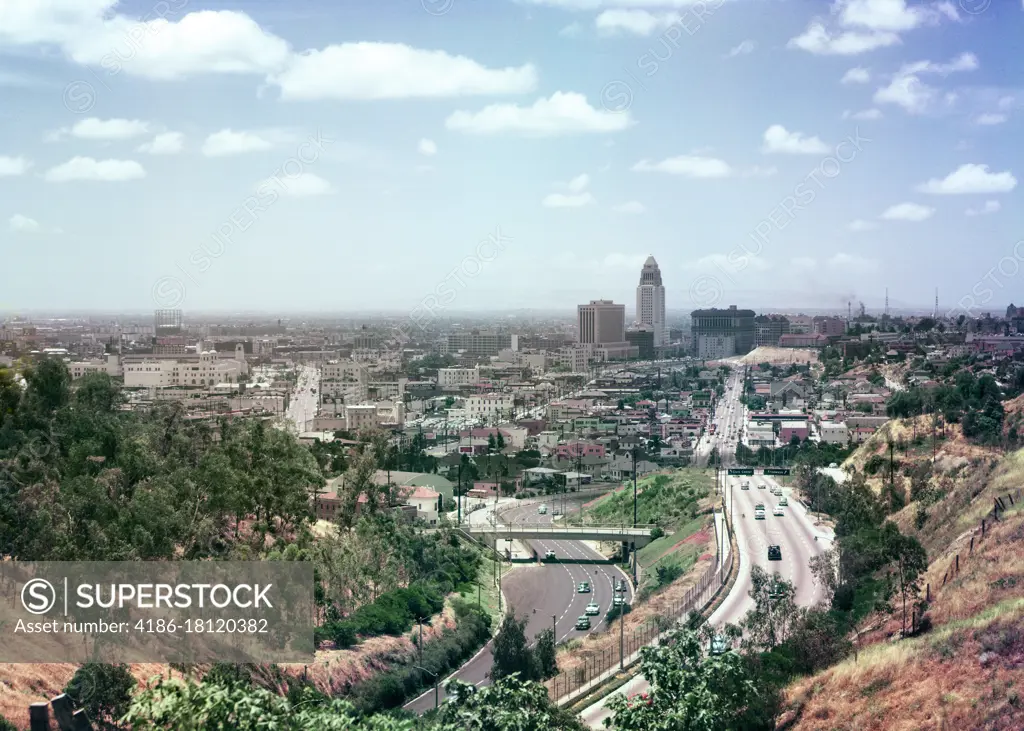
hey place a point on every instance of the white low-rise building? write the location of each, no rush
(834, 432)
(111, 365)
(454, 378)
(489, 406)
(204, 369)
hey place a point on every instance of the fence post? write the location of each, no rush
(982, 527)
(1009, 496)
(958, 563)
(944, 577)
(928, 592)
(971, 551)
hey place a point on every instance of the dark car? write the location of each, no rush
(774, 553)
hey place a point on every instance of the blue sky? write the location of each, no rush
(530, 153)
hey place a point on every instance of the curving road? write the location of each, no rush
(794, 532)
(545, 594)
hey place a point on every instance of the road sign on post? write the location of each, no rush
(742, 471)
(776, 470)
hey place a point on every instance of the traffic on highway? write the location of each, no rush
(782, 543)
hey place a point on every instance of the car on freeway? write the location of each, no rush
(549, 555)
(583, 588)
(618, 601)
(774, 553)
(542, 510)
(621, 585)
(760, 486)
(783, 501)
(583, 622)
(759, 512)
(778, 511)
(592, 609)
(745, 486)
(719, 645)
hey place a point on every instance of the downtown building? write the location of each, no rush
(602, 331)
(719, 333)
(650, 302)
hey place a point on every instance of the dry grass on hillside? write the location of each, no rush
(779, 356)
(966, 673)
(332, 672)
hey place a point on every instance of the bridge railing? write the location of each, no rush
(640, 530)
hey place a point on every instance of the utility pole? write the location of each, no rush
(554, 628)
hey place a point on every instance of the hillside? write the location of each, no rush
(965, 669)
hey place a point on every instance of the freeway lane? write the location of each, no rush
(539, 591)
(794, 532)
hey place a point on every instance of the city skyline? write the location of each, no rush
(886, 147)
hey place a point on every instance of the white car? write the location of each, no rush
(778, 511)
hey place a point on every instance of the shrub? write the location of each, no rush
(657, 532)
(668, 573)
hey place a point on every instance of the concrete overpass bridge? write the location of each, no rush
(639, 536)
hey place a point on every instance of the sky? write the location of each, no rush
(436, 155)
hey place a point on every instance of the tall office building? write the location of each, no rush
(602, 321)
(650, 301)
(722, 333)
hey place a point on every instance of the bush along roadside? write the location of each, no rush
(441, 656)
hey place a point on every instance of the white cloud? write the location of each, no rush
(891, 15)
(302, 185)
(23, 224)
(991, 119)
(778, 140)
(630, 207)
(205, 41)
(1006, 103)
(852, 263)
(691, 166)
(759, 172)
(365, 71)
(560, 200)
(427, 147)
(229, 142)
(166, 143)
(109, 129)
(11, 166)
(87, 168)
(742, 49)
(805, 263)
(562, 113)
(856, 75)
(862, 225)
(864, 114)
(963, 62)
(817, 40)
(637, 22)
(908, 91)
(600, 4)
(579, 183)
(572, 30)
(968, 179)
(908, 212)
(989, 207)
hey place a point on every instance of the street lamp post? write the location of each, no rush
(437, 700)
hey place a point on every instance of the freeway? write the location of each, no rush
(794, 532)
(542, 593)
(302, 407)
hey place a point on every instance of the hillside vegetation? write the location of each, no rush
(962, 665)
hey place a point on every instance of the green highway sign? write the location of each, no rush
(776, 470)
(741, 471)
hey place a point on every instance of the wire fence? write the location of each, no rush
(599, 664)
(1000, 505)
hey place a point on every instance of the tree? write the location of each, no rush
(508, 704)
(500, 440)
(689, 691)
(770, 621)
(104, 691)
(545, 655)
(910, 560)
(511, 653)
(825, 569)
